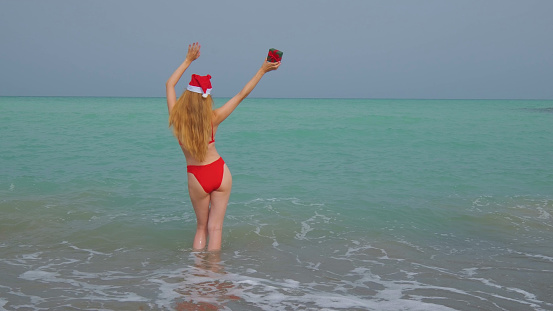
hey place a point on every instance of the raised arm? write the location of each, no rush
(224, 111)
(192, 55)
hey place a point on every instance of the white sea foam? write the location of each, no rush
(305, 229)
(543, 213)
(160, 219)
(268, 294)
(84, 283)
(27, 257)
(3, 303)
(536, 256)
(470, 271)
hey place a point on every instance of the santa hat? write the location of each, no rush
(200, 84)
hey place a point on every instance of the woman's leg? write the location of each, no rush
(200, 202)
(219, 202)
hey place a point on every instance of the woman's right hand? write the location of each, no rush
(193, 52)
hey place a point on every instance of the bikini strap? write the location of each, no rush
(212, 138)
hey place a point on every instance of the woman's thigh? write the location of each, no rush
(220, 198)
(200, 200)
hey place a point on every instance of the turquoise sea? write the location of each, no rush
(337, 204)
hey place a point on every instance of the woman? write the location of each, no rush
(194, 124)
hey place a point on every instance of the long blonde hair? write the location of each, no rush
(191, 121)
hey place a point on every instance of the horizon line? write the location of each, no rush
(260, 97)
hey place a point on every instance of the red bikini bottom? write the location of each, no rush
(210, 176)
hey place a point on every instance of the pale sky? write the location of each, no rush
(496, 49)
